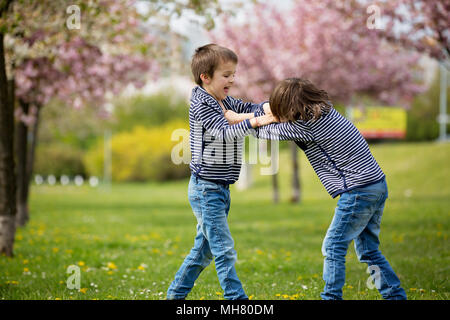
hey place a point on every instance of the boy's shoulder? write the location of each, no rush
(200, 96)
(201, 99)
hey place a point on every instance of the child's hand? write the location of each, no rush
(263, 120)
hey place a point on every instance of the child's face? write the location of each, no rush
(219, 85)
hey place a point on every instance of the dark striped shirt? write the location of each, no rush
(337, 151)
(216, 146)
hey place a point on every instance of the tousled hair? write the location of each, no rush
(298, 99)
(207, 58)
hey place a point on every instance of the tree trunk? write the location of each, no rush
(7, 173)
(22, 176)
(295, 176)
(276, 193)
(30, 149)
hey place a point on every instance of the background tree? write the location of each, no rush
(413, 24)
(113, 45)
(7, 171)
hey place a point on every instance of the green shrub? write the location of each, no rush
(58, 160)
(148, 111)
(141, 154)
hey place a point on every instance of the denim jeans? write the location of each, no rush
(357, 217)
(210, 203)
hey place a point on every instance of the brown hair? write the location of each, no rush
(298, 99)
(207, 58)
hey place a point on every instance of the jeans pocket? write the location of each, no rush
(210, 187)
(368, 196)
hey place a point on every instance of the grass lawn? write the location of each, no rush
(130, 240)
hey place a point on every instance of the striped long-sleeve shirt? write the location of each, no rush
(216, 146)
(337, 151)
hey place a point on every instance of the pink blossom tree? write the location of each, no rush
(317, 42)
(109, 47)
(421, 25)
(78, 68)
(79, 75)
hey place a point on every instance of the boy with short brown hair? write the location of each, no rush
(216, 149)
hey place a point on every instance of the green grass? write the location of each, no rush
(130, 241)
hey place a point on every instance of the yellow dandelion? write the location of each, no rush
(57, 298)
(26, 270)
(111, 265)
(55, 250)
(141, 267)
(81, 263)
(25, 261)
(250, 298)
(83, 290)
(218, 293)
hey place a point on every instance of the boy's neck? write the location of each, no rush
(214, 97)
(211, 94)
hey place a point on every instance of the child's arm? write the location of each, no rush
(275, 131)
(216, 124)
(234, 118)
(284, 131)
(238, 106)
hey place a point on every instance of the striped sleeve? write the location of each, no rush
(285, 131)
(260, 110)
(238, 106)
(216, 125)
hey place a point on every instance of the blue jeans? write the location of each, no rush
(357, 217)
(211, 203)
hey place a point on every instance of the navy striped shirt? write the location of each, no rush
(337, 151)
(216, 146)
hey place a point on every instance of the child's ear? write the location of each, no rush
(205, 78)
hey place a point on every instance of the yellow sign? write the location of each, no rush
(380, 122)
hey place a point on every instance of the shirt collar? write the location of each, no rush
(200, 93)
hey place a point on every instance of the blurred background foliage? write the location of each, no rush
(141, 125)
(140, 128)
(421, 119)
(141, 154)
